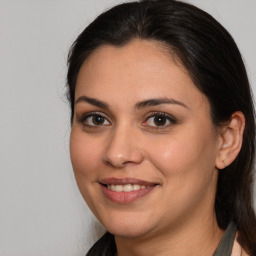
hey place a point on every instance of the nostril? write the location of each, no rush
(122, 149)
(120, 164)
(114, 164)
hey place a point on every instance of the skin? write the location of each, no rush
(177, 217)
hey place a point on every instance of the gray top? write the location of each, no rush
(226, 244)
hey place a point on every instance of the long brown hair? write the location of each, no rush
(214, 63)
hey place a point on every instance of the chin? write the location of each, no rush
(127, 227)
(128, 233)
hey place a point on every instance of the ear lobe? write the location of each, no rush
(231, 140)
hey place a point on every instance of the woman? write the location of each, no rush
(162, 140)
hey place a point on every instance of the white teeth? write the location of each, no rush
(136, 187)
(118, 188)
(126, 187)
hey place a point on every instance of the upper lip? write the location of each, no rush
(124, 181)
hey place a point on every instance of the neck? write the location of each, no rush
(197, 238)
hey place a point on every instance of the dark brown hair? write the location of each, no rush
(214, 63)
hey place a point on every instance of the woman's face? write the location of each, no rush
(143, 146)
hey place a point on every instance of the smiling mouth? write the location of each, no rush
(126, 188)
(125, 191)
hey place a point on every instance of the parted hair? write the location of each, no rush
(215, 65)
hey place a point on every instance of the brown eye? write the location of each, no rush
(98, 120)
(93, 120)
(160, 120)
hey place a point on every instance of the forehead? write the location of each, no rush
(138, 53)
(140, 69)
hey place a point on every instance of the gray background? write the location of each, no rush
(41, 210)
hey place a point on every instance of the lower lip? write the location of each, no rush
(125, 197)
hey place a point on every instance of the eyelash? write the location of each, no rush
(84, 120)
(167, 117)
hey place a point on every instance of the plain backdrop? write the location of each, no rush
(41, 210)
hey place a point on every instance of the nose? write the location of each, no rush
(123, 148)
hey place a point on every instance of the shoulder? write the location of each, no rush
(238, 250)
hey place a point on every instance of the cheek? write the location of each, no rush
(184, 152)
(85, 154)
(187, 166)
(85, 158)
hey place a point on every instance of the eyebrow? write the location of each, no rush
(158, 101)
(92, 101)
(139, 105)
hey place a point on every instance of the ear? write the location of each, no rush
(231, 138)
